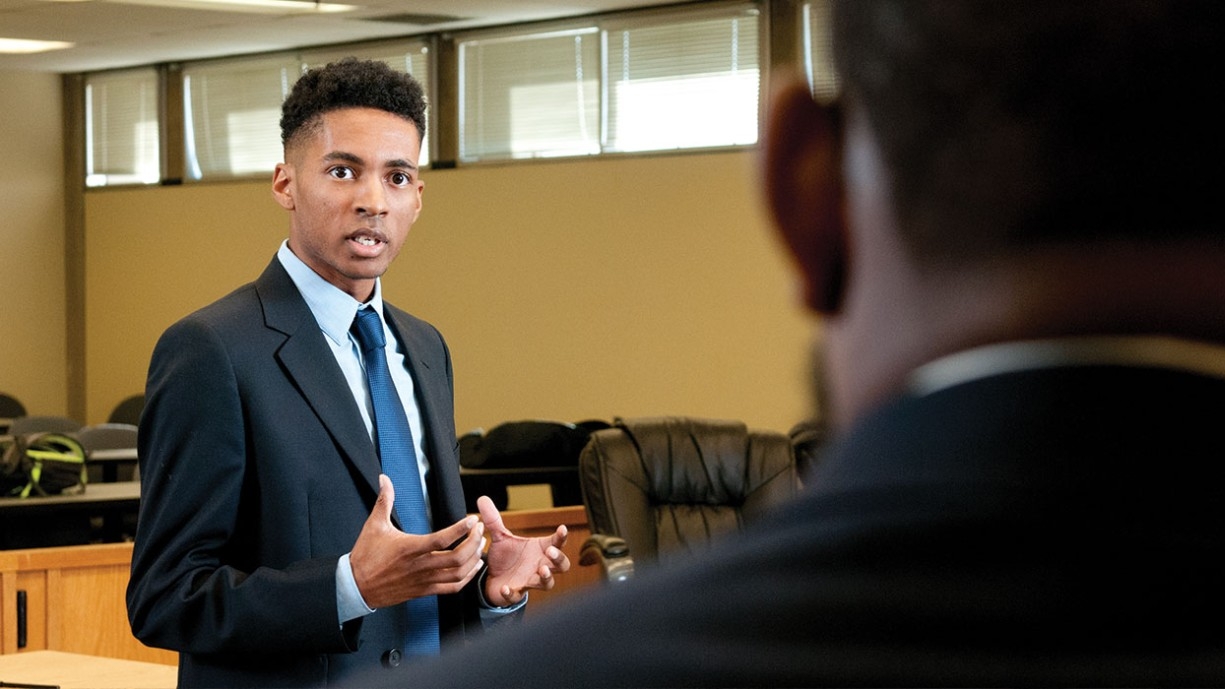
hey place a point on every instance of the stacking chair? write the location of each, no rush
(128, 410)
(657, 489)
(110, 451)
(36, 424)
(10, 408)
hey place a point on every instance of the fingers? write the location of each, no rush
(491, 516)
(508, 596)
(560, 536)
(558, 560)
(451, 536)
(546, 577)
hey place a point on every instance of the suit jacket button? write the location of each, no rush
(391, 658)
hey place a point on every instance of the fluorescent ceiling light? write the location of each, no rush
(256, 6)
(22, 45)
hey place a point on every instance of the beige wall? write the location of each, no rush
(32, 305)
(567, 290)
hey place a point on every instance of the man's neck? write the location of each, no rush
(912, 318)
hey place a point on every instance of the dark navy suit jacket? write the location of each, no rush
(257, 475)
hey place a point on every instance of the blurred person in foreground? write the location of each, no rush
(1011, 229)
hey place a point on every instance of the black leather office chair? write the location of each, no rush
(659, 488)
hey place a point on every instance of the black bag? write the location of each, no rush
(42, 463)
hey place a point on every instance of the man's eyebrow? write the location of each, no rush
(344, 156)
(401, 163)
(357, 160)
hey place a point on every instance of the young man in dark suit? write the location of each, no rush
(1011, 228)
(273, 548)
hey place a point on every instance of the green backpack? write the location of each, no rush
(43, 463)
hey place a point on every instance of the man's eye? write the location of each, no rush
(341, 172)
(400, 179)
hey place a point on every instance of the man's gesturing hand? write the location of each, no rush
(517, 563)
(391, 566)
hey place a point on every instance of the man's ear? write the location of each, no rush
(282, 186)
(804, 191)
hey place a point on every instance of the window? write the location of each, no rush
(122, 128)
(687, 83)
(654, 82)
(650, 80)
(528, 96)
(232, 113)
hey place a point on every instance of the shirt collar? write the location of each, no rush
(1135, 351)
(333, 308)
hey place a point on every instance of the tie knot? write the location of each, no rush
(368, 329)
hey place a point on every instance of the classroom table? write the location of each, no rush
(76, 671)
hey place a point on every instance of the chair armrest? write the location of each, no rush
(612, 553)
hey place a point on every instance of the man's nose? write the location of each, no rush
(371, 197)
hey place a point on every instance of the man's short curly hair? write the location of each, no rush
(351, 83)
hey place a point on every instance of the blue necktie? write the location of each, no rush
(394, 439)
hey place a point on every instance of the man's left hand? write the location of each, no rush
(515, 563)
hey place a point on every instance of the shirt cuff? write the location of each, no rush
(349, 602)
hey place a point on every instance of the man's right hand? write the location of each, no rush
(391, 566)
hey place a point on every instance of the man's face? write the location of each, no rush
(353, 192)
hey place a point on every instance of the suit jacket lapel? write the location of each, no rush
(309, 362)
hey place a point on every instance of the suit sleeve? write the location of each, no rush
(190, 588)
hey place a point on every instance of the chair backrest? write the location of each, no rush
(35, 424)
(128, 410)
(108, 436)
(11, 407)
(110, 449)
(667, 485)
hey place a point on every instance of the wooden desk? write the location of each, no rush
(63, 520)
(74, 670)
(122, 493)
(111, 461)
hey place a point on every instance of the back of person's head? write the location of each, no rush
(1005, 125)
(351, 83)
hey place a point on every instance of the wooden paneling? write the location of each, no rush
(74, 602)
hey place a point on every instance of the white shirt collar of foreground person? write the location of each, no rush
(1156, 351)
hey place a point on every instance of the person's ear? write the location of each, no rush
(804, 191)
(282, 186)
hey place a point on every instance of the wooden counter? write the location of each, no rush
(74, 602)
